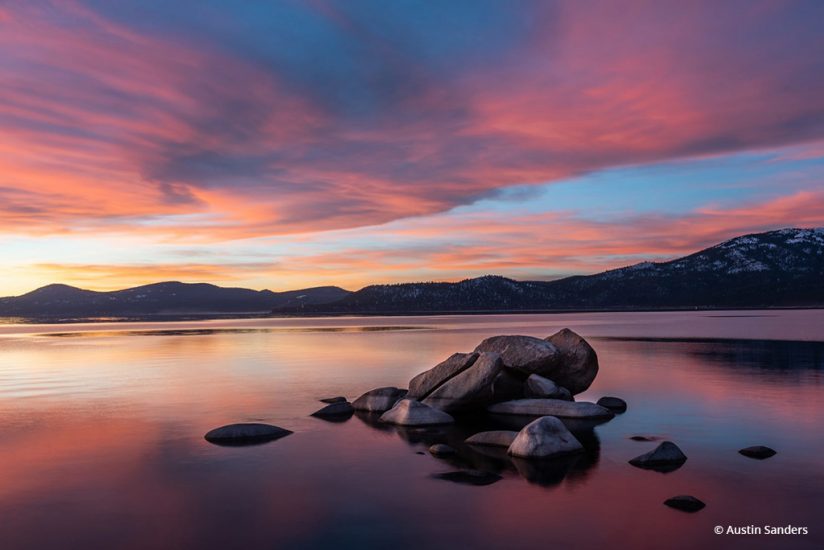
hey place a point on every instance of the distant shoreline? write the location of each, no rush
(174, 317)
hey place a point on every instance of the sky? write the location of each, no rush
(290, 144)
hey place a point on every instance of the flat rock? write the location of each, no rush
(615, 404)
(643, 438)
(338, 399)
(378, 400)
(423, 384)
(408, 412)
(759, 451)
(538, 386)
(245, 434)
(551, 407)
(494, 438)
(523, 354)
(335, 409)
(442, 450)
(685, 503)
(546, 437)
(665, 457)
(469, 477)
(577, 365)
(470, 389)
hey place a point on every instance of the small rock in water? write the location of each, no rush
(759, 451)
(666, 457)
(378, 400)
(338, 399)
(245, 434)
(408, 412)
(335, 410)
(469, 477)
(441, 450)
(685, 503)
(494, 438)
(613, 403)
(643, 438)
(545, 437)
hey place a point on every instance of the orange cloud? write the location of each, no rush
(453, 247)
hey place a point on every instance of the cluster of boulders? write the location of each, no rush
(504, 375)
(518, 377)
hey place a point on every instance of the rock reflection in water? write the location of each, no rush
(495, 460)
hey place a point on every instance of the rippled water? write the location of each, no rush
(101, 436)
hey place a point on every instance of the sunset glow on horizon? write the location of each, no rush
(298, 144)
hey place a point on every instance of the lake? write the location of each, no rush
(101, 436)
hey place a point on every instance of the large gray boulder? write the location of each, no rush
(546, 437)
(577, 365)
(523, 354)
(423, 384)
(551, 407)
(538, 386)
(469, 389)
(665, 457)
(378, 400)
(245, 434)
(408, 412)
(493, 438)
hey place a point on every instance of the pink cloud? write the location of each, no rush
(121, 124)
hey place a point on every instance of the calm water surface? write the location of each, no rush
(101, 436)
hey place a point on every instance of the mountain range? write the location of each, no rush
(783, 268)
(168, 298)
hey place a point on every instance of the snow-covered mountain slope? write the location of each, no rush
(777, 268)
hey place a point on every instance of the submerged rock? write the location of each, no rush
(578, 363)
(470, 389)
(685, 503)
(546, 437)
(442, 450)
(538, 386)
(551, 407)
(666, 457)
(408, 412)
(338, 399)
(245, 434)
(759, 451)
(615, 404)
(336, 409)
(469, 477)
(423, 384)
(523, 354)
(378, 400)
(494, 438)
